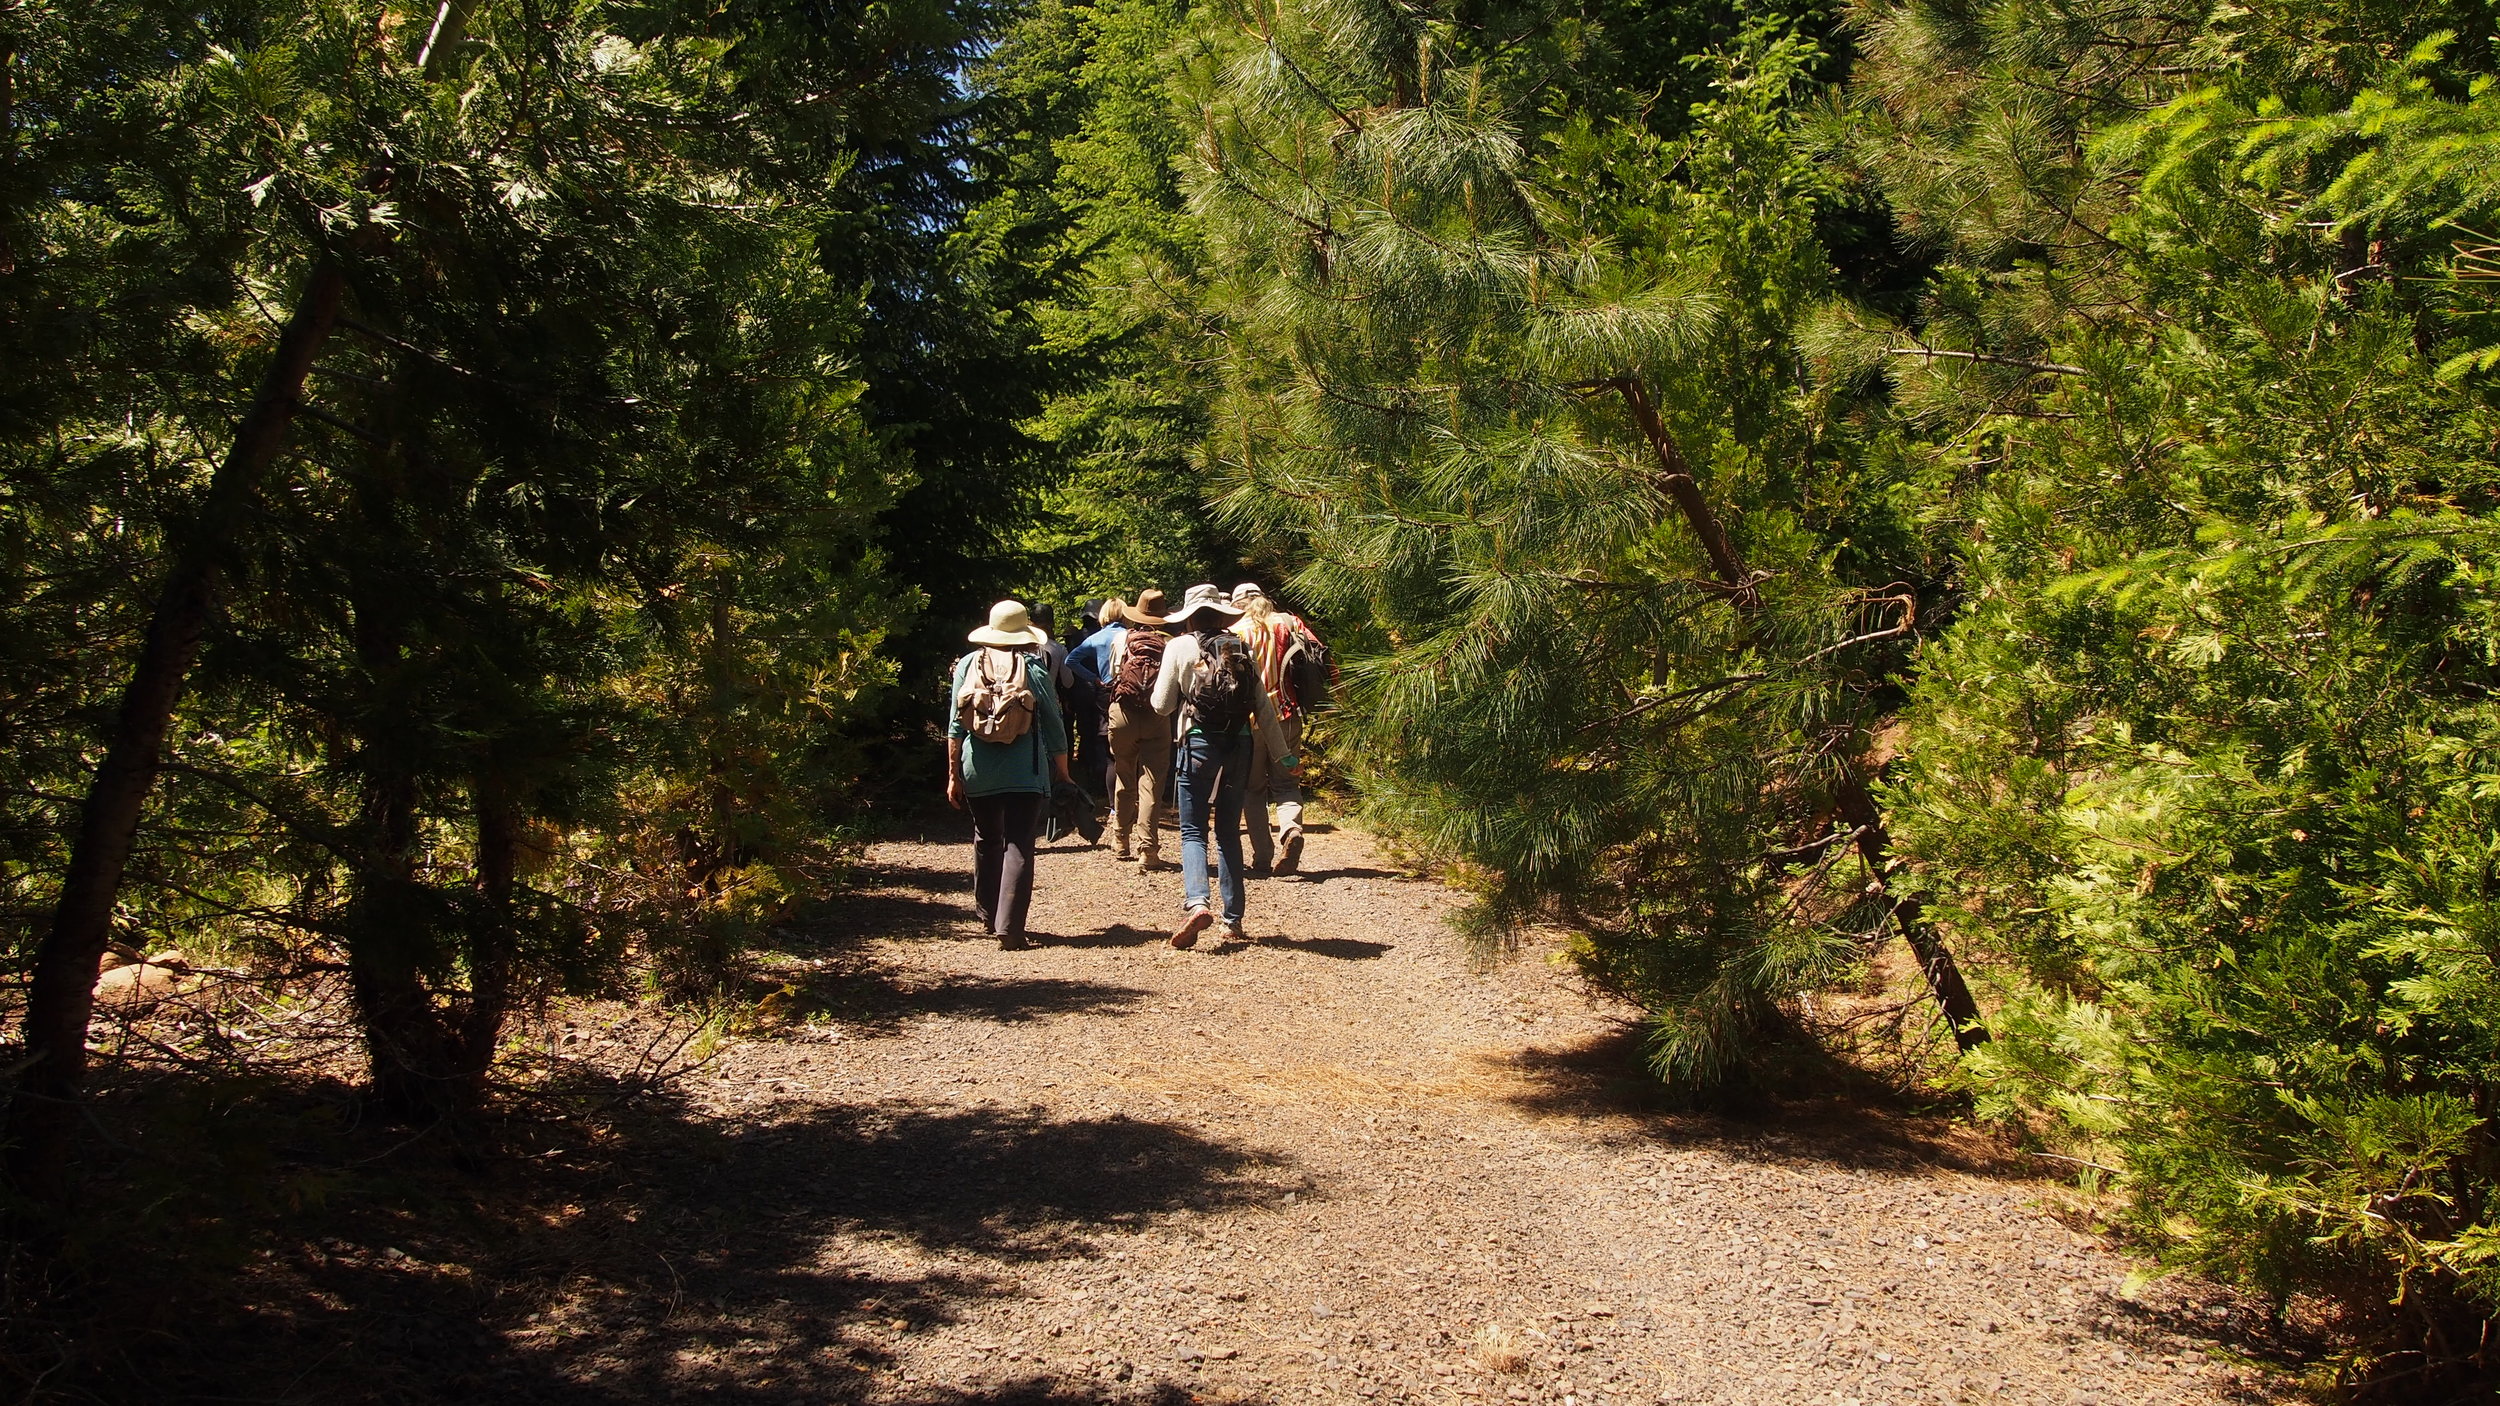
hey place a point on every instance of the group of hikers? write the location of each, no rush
(1196, 714)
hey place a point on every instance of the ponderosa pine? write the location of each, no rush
(1522, 398)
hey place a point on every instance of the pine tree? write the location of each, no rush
(1632, 611)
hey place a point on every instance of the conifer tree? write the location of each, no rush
(1085, 107)
(583, 413)
(67, 960)
(2198, 768)
(1524, 400)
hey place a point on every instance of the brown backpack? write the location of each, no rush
(1134, 684)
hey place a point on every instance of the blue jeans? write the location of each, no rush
(1212, 770)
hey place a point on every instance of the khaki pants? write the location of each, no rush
(1141, 762)
(1270, 782)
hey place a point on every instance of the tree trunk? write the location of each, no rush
(491, 948)
(1944, 975)
(393, 919)
(391, 924)
(399, 928)
(1677, 478)
(61, 1000)
(1857, 804)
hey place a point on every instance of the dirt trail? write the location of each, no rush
(1330, 1166)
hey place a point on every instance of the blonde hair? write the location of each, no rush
(1259, 607)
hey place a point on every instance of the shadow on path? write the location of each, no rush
(893, 913)
(1847, 1119)
(1321, 876)
(869, 999)
(840, 976)
(1112, 935)
(669, 1256)
(1344, 949)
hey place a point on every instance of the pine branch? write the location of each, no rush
(1681, 485)
(1346, 119)
(1909, 618)
(396, 344)
(1791, 856)
(2056, 368)
(1732, 681)
(343, 425)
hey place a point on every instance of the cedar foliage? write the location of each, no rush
(2202, 764)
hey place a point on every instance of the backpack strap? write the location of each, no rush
(1041, 759)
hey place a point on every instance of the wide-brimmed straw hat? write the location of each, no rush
(1149, 607)
(1010, 625)
(1204, 597)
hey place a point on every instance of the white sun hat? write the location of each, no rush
(1010, 625)
(1204, 597)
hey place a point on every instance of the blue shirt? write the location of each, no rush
(1021, 766)
(1092, 659)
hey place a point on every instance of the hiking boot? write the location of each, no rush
(1013, 942)
(1258, 869)
(1289, 859)
(1120, 850)
(1151, 862)
(1233, 933)
(1198, 921)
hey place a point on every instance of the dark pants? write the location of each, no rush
(1091, 717)
(1002, 859)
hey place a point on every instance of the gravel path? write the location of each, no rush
(1335, 1165)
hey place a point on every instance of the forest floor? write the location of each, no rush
(1336, 1164)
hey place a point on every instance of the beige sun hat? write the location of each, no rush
(1204, 597)
(1011, 625)
(1245, 591)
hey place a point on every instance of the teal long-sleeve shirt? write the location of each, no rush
(1006, 768)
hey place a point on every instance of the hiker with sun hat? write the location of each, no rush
(1006, 743)
(1126, 654)
(1274, 636)
(1209, 687)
